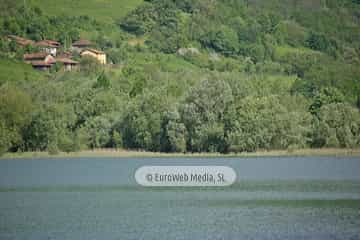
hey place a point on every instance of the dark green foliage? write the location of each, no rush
(34, 24)
(322, 43)
(291, 33)
(102, 81)
(224, 40)
(140, 21)
(265, 123)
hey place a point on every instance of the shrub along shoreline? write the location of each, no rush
(120, 153)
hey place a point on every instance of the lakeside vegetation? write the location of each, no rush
(187, 76)
(121, 153)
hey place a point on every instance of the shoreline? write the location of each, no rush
(120, 153)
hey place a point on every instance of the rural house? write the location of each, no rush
(40, 60)
(39, 56)
(81, 45)
(69, 64)
(41, 65)
(99, 55)
(48, 46)
(65, 54)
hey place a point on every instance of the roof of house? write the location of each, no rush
(51, 61)
(38, 55)
(66, 61)
(82, 43)
(92, 50)
(40, 64)
(53, 42)
(64, 55)
(48, 43)
(20, 40)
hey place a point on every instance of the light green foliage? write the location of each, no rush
(99, 131)
(173, 133)
(299, 60)
(66, 143)
(6, 137)
(118, 56)
(104, 11)
(90, 65)
(49, 128)
(102, 81)
(203, 114)
(116, 140)
(326, 96)
(141, 127)
(338, 125)
(330, 73)
(15, 105)
(264, 123)
(255, 51)
(35, 24)
(13, 71)
(291, 33)
(15, 109)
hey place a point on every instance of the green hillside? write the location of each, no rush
(102, 10)
(13, 71)
(185, 76)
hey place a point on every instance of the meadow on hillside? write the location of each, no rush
(101, 10)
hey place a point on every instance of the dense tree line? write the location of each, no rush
(220, 113)
(253, 75)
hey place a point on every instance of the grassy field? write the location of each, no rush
(125, 153)
(14, 71)
(102, 10)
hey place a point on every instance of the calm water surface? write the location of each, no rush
(273, 198)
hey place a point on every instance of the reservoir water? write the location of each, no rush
(98, 198)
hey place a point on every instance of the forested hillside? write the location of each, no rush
(184, 76)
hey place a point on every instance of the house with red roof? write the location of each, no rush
(40, 60)
(68, 63)
(49, 46)
(81, 45)
(41, 65)
(97, 54)
(23, 42)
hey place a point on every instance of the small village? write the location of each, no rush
(50, 52)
